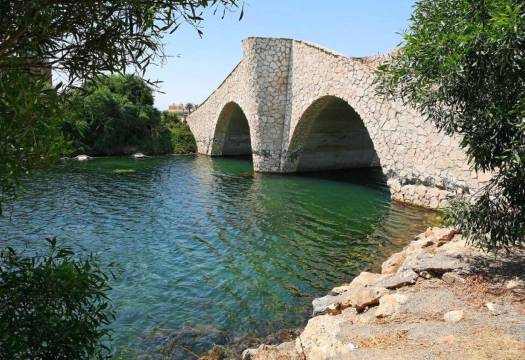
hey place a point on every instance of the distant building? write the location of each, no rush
(177, 108)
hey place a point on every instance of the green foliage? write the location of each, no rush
(115, 115)
(182, 139)
(91, 37)
(30, 122)
(463, 66)
(169, 119)
(53, 306)
(112, 115)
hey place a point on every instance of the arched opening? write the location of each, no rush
(232, 133)
(331, 135)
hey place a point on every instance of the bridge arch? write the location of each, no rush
(285, 88)
(232, 135)
(330, 134)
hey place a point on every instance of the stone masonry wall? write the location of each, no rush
(278, 85)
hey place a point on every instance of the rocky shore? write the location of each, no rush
(436, 299)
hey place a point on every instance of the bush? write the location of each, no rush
(53, 306)
(463, 66)
(182, 140)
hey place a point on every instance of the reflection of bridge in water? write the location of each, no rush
(298, 107)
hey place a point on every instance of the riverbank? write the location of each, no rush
(436, 299)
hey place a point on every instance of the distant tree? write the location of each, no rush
(112, 115)
(463, 66)
(189, 107)
(169, 118)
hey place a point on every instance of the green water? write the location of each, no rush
(209, 250)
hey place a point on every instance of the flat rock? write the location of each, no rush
(400, 279)
(439, 263)
(329, 304)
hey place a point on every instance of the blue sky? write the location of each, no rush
(350, 27)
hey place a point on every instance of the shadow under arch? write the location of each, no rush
(232, 132)
(330, 135)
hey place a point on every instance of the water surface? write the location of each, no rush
(210, 250)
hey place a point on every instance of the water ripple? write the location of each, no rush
(208, 244)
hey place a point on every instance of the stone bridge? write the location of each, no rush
(296, 107)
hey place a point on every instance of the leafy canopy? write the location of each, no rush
(85, 38)
(463, 65)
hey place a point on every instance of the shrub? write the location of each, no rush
(463, 65)
(53, 306)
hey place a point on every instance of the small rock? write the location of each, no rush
(452, 278)
(453, 316)
(440, 235)
(389, 304)
(495, 309)
(425, 275)
(139, 156)
(367, 296)
(512, 284)
(351, 347)
(327, 304)
(393, 263)
(340, 289)
(248, 354)
(82, 157)
(491, 306)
